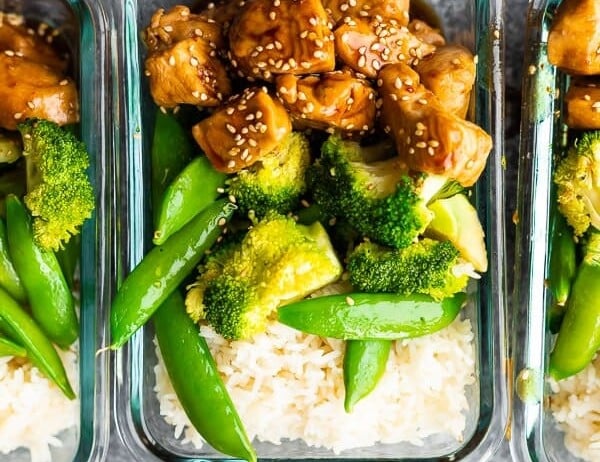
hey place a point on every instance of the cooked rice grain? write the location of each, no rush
(32, 409)
(295, 379)
(575, 405)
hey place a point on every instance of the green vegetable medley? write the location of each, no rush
(335, 202)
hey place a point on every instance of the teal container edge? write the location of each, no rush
(139, 423)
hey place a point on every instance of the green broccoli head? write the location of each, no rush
(381, 200)
(277, 262)
(428, 267)
(577, 179)
(235, 308)
(59, 193)
(276, 182)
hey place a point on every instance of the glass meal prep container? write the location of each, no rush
(476, 24)
(536, 434)
(84, 27)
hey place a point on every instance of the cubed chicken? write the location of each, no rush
(574, 40)
(244, 130)
(428, 137)
(189, 72)
(32, 90)
(367, 46)
(582, 103)
(281, 37)
(426, 34)
(383, 9)
(334, 101)
(177, 24)
(18, 40)
(450, 74)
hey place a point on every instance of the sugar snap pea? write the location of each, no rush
(562, 267)
(191, 191)
(163, 269)
(9, 280)
(579, 337)
(364, 365)
(197, 382)
(363, 316)
(8, 348)
(40, 350)
(49, 295)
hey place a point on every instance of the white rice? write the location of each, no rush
(32, 409)
(295, 379)
(575, 406)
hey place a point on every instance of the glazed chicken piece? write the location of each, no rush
(177, 24)
(331, 101)
(574, 40)
(450, 74)
(428, 137)
(281, 37)
(18, 40)
(582, 103)
(244, 130)
(189, 72)
(382, 9)
(366, 46)
(426, 34)
(32, 90)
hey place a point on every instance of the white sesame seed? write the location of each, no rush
(231, 164)
(63, 82)
(362, 61)
(350, 301)
(398, 83)
(230, 128)
(171, 60)
(18, 115)
(229, 110)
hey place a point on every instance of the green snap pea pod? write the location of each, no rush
(172, 150)
(579, 335)
(562, 267)
(191, 191)
(9, 280)
(197, 382)
(363, 316)
(163, 269)
(40, 350)
(8, 348)
(49, 295)
(364, 365)
(68, 257)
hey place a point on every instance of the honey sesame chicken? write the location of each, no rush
(189, 72)
(33, 44)
(450, 74)
(366, 46)
(281, 37)
(582, 103)
(428, 137)
(244, 130)
(574, 39)
(331, 101)
(33, 90)
(382, 9)
(426, 33)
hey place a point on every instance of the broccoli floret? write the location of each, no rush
(59, 193)
(428, 267)
(277, 262)
(577, 179)
(276, 182)
(379, 198)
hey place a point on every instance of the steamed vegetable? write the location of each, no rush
(59, 194)
(278, 261)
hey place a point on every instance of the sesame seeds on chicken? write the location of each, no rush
(242, 131)
(429, 138)
(281, 37)
(397, 10)
(367, 46)
(332, 101)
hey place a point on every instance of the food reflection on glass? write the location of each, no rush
(318, 196)
(574, 268)
(45, 198)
